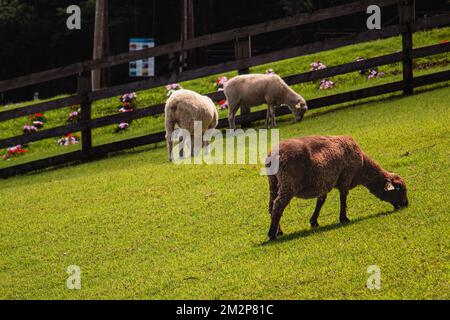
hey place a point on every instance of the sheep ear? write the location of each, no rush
(389, 186)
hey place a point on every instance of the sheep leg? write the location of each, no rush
(319, 203)
(343, 214)
(170, 127)
(272, 113)
(232, 116)
(206, 144)
(273, 189)
(197, 144)
(273, 186)
(181, 145)
(279, 205)
(270, 117)
(170, 146)
(193, 149)
(206, 147)
(267, 119)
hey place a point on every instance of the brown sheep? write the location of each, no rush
(310, 167)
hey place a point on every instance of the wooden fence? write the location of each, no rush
(242, 37)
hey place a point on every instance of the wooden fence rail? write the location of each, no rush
(224, 67)
(103, 150)
(158, 109)
(202, 41)
(244, 60)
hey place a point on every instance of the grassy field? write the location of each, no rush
(142, 228)
(347, 82)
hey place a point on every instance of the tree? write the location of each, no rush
(101, 41)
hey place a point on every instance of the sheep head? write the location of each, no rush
(299, 109)
(394, 191)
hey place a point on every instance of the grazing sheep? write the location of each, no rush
(310, 167)
(183, 108)
(255, 89)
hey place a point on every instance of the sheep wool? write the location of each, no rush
(183, 108)
(255, 89)
(310, 167)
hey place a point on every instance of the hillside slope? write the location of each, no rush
(140, 227)
(148, 125)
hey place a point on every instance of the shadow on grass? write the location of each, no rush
(333, 226)
(391, 97)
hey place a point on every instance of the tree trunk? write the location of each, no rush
(101, 40)
(187, 32)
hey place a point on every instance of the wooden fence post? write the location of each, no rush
(406, 18)
(242, 50)
(84, 88)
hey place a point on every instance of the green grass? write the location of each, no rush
(347, 82)
(140, 227)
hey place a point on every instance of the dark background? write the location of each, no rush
(34, 37)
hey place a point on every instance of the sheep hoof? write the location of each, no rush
(314, 224)
(272, 236)
(344, 220)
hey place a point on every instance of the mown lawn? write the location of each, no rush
(142, 228)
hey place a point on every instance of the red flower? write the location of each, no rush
(444, 41)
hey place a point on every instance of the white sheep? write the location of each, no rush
(184, 107)
(251, 90)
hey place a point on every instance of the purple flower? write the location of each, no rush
(67, 140)
(171, 88)
(129, 97)
(223, 105)
(375, 74)
(73, 116)
(122, 126)
(326, 84)
(29, 129)
(317, 66)
(123, 109)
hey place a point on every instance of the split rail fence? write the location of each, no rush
(244, 60)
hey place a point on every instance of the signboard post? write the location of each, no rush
(146, 67)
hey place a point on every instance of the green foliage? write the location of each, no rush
(15, 12)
